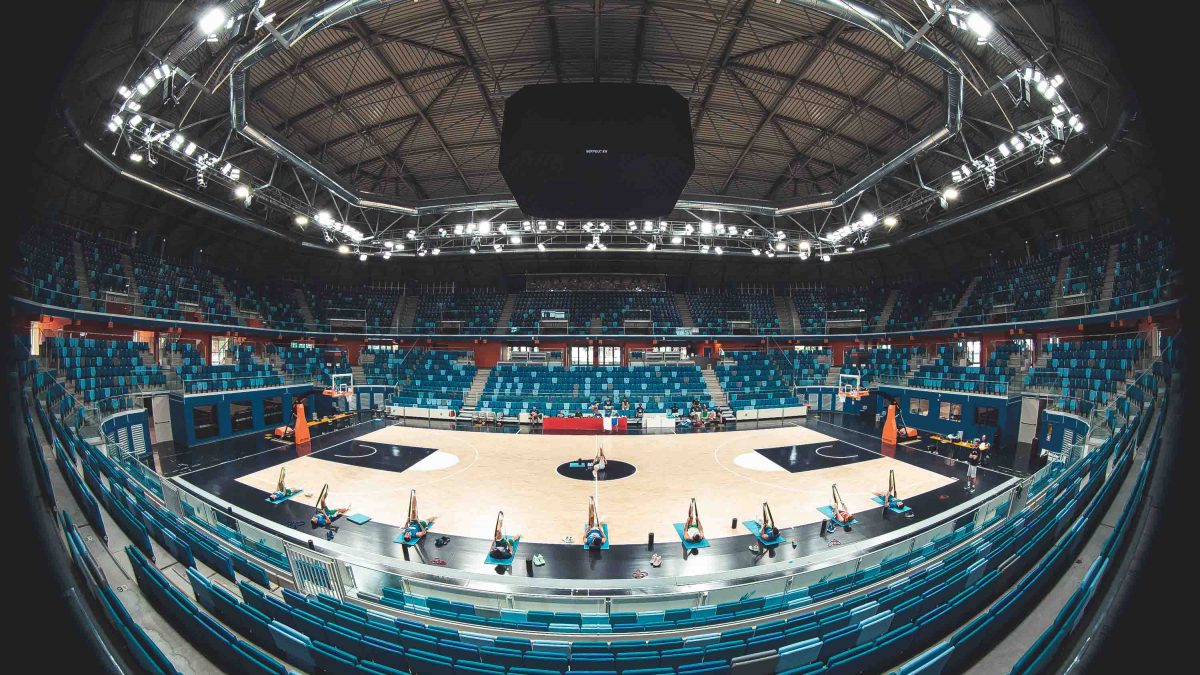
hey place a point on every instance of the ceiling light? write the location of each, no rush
(1055, 159)
(472, 250)
(241, 192)
(756, 252)
(515, 239)
(706, 227)
(825, 258)
(399, 246)
(719, 250)
(950, 193)
(362, 257)
(890, 221)
(979, 24)
(485, 227)
(780, 246)
(387, 255)
(437, 251)
(301, 220)
(541, 247)
(135, 157)
(212, 20)
(458, 229)
(650, 246)
(677, 239)
(342, 248)
(869, 218)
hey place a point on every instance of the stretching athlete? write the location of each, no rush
(593, 533)
(693, 531)
(281, 491)
(892, 499)
(325, 516)
(769, 531)
(502, 544)
(415, 528)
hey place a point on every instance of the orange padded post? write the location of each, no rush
(889, 426)
(300, 424)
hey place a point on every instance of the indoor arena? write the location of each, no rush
(597, 337)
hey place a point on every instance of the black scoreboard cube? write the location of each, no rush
(596, 150)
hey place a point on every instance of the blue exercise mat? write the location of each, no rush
(755, 528)
(507, 561)
(358, 519)
(879, 500)
(290, 494)
(828, 513)
(604, 546)
(689, 545)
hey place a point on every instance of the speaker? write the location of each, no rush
(620, 151)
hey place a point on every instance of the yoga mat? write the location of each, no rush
(358, 519)
(691, 546)
(290, 494)
(507, 561)
(400, 537)
(828, 513)
(755, 528)
(604, 546)
(879, 500)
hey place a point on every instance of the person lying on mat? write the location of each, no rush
(693, 531)
(281, 491)
(593, 533)
(416, 528)
(325, 516)
(600, 463)
(502, 544)
(769, 531)
(892, 500)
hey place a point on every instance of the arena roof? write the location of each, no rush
(402, 102)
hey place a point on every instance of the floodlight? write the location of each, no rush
(212, 20)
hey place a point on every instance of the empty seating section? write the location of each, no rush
(514, 388)
(47, 268)
(1018, 291)
(479, 311)
(1026, 286)
(274, 304)
(850, 309)
(373, 309)
(106, 272)
(875, 364)
(170, 291)
(918, 303)
(430, 378)
(610, 308)
(1086, 373)
(713, 310)
(103, 372)
(1141, 271)
(947, 372)
(754, 380)
(199, 376)
(1086, 266)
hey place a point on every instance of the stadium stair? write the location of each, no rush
(715, 390)
(1064, 267)
(786, 309)
(685, 311)
(889, 306)
(85, 288)
(962, 302)
(238, 312)
(1110, 274)
(506, 312)
(471, 399)
(305, 311)
(134, 293)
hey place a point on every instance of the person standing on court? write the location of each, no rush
(972, 470)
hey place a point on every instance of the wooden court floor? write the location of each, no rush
(517, 473)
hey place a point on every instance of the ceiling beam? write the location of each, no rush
(469, 55)
(639, 41)
(360, 28)
(806, 65)
(721, 63)
(552, 27)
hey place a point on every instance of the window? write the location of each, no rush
(272, 411)
(35, 338)
(987, 417)
(204, 421)
(950, 411)
(610, 356)
(220, 346)
(581, 356)
(241, 414)
(918, 406)
(971, 349)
